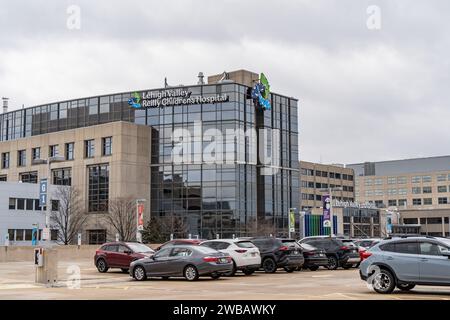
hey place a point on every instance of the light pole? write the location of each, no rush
(48, 162)
(330, 192)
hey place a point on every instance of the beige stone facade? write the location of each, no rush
(129, 162)
(239, 76)
(420, 197)
(315, 176)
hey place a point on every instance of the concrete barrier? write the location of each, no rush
(70, 252)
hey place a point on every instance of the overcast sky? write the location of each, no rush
(364, 94)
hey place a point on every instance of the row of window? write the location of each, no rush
(403, 180)
(415, 202)
(30, 204)
(429, 220)
(89, 151)
(318, 197)
(60, 177)
(332, 175)
(318, 185)
(27, 235)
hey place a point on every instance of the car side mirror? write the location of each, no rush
(128, 251)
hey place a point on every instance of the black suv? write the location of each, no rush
(279, 253)
(340, 252)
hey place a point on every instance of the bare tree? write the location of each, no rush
(122, 218)
(70, 216)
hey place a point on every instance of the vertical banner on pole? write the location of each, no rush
(34, 235)
(140, 219)
(326, 203)
(291, 221)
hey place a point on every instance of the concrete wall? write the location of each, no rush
(72, 252)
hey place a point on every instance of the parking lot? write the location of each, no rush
(17, 282)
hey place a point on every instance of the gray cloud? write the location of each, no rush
(364, 94)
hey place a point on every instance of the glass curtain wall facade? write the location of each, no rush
(197, 198)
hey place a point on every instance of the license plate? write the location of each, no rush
(321, 255)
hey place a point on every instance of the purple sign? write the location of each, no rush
(326, 203)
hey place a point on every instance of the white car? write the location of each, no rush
(245, 254)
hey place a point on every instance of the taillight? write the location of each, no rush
(210, 259)
(344, 248)
(309, 253)
(240, 250)
(364, 255)
(284, 248)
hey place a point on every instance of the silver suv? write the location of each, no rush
(407, 262)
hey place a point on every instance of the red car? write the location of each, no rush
(120, 255)
(175, 242)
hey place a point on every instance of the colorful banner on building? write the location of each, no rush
(326, 203)
(292, 220)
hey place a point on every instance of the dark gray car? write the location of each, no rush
(186, 261)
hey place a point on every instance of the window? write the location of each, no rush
(416, 179)
(402, 202)
(431, 249)
(416, 190)
(410, 220)
(53, 151)
(401, 180)
(89, 149)
(62, 177)
(443, 200)
(21, 158)
(107, 146)
(392, 180)
(427, 201)
(442, 188)
(96, 236)
(426, 190)
(401, 247)
(29, 177)
(434, 220)
(36, 153)
(98, 194)
(368, 182)
(441, 177)
(55, 205)
(378, 181)
(417, 202)
(3, 178)
(20, 204)
(402, 191)
(20, 234)
(379, 203)
(426, 178)
(29, 204)
(5, 160)
(12, 203)
(392, 203)
(70, 148)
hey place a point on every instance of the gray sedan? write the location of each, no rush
(186, 261)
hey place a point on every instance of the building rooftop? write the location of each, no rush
(404, 166)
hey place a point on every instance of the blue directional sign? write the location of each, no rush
(43, 192)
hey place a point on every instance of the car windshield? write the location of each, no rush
(141, 248)
(307, 246)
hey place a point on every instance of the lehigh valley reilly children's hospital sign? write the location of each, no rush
(173, 97)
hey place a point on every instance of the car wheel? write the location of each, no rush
(124, 270)
(406, 286)
(215, 276)
(232, 272)
(139, 273)
(314, 268)
(383, 282)
(190, 273)
(289, 270)
(102, 266)
(332, 263)
(248, 272)
(269, 265)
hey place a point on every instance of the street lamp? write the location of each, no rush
(330, 192)
(48, 162)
